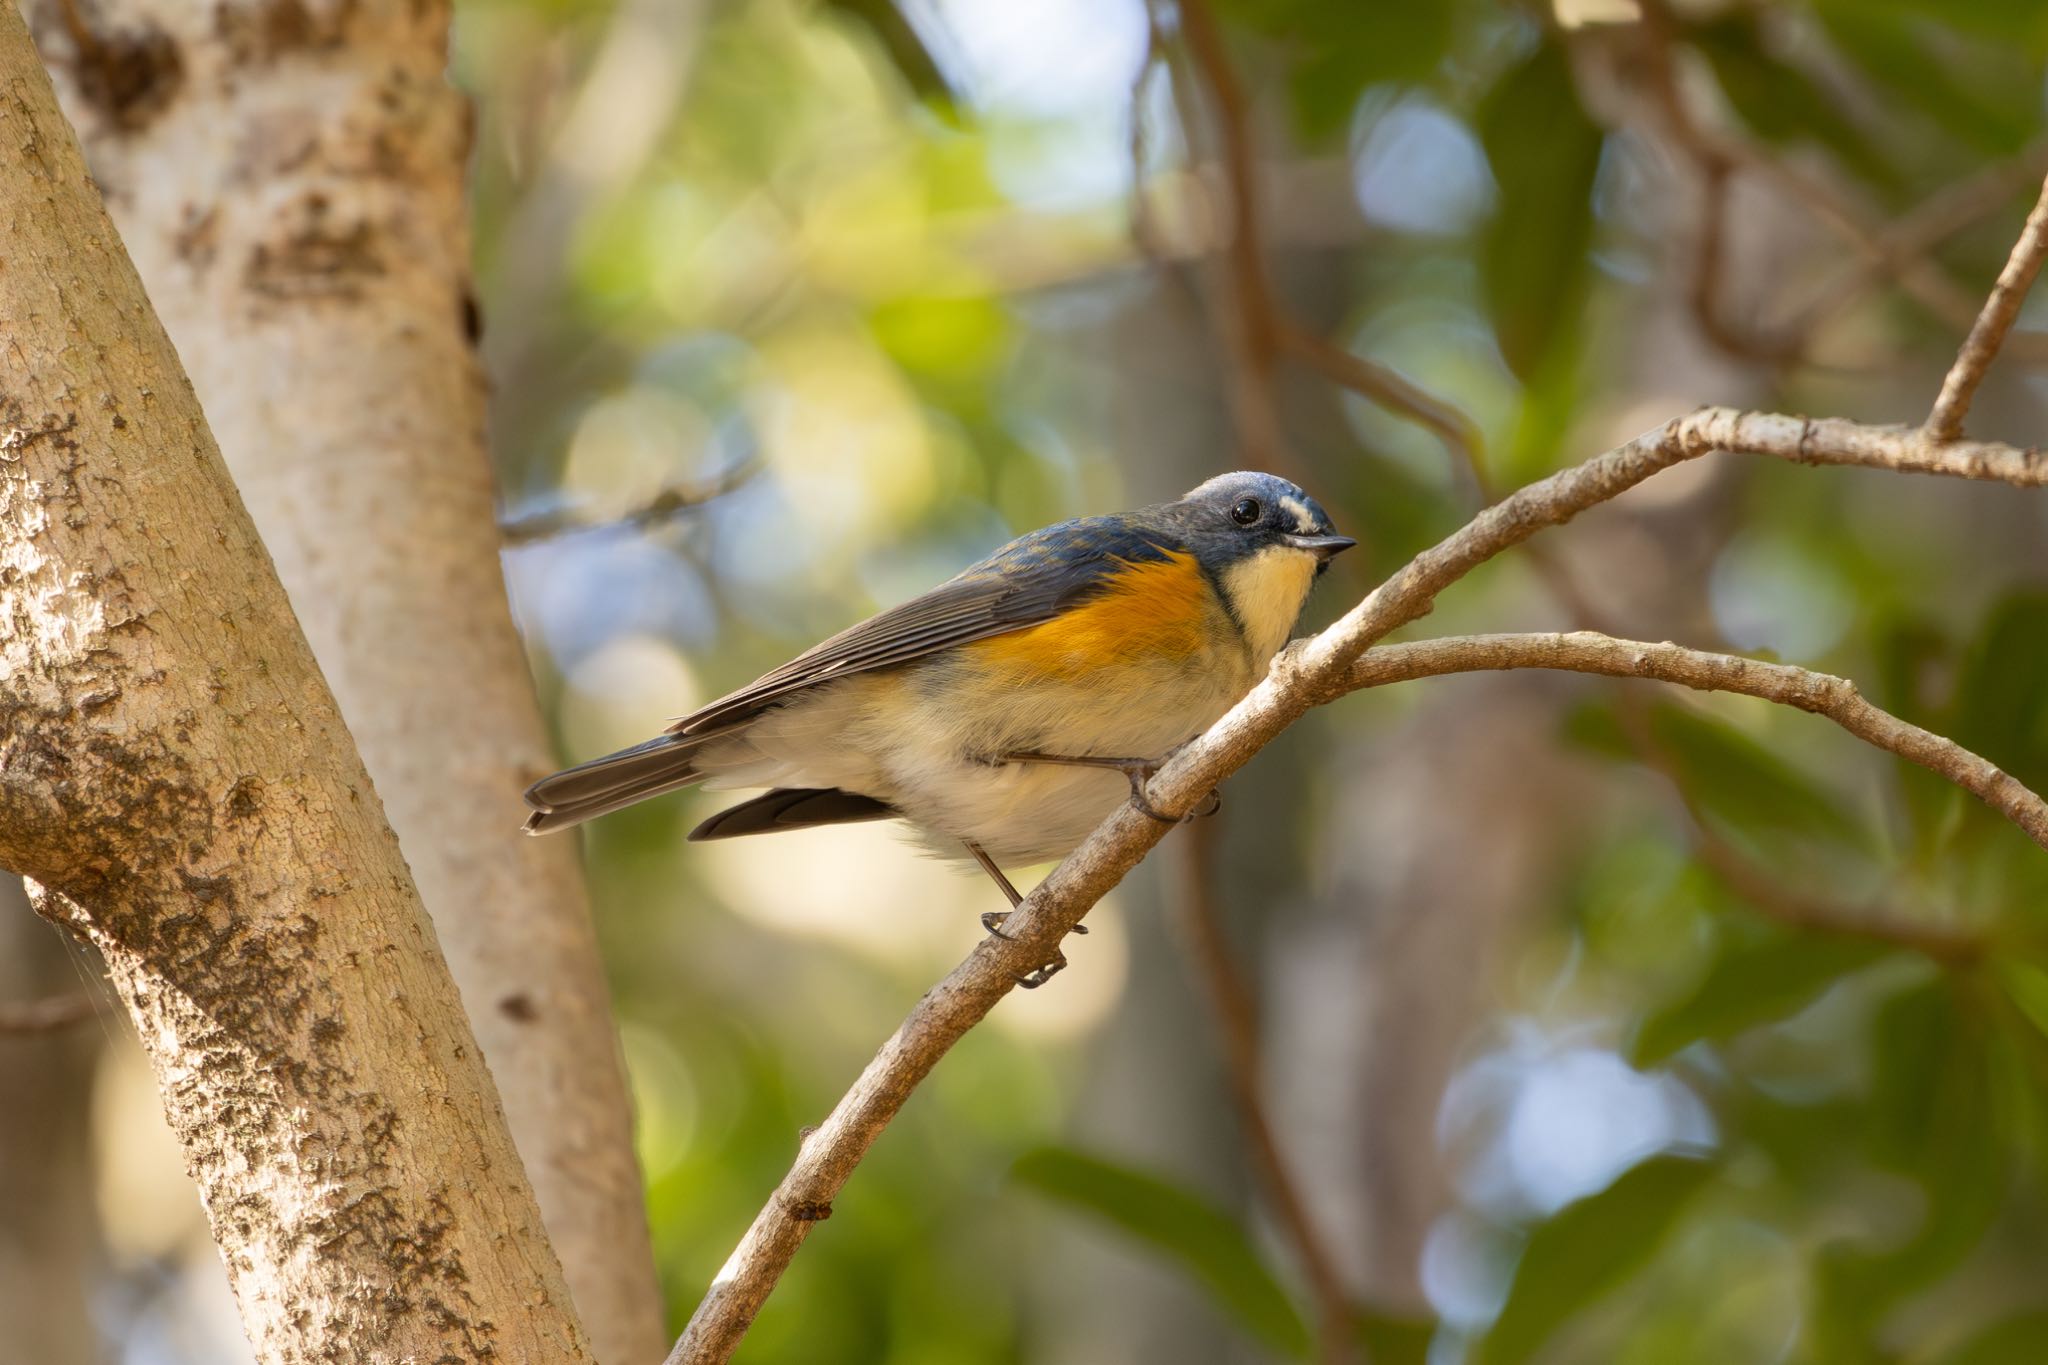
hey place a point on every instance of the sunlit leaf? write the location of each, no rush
(1545, 153)
(1201, 1239)
(1587, 1249)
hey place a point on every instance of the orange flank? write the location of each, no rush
(1152, 611)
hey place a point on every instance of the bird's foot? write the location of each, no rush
(1138, 772)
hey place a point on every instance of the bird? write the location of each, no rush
(1006, 712)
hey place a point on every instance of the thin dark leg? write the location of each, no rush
(1137, 771)
(993, 920)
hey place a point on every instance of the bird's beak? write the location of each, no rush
(1324, 548)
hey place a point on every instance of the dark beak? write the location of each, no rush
(1324, 548)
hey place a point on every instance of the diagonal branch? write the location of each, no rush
(1304, 675)
(1980, 348)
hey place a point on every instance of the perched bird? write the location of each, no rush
(1005, 713)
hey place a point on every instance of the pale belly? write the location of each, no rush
(928, 740)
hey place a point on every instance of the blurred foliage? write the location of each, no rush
(886, 252)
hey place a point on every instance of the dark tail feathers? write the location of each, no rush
(603, 785)
(791, 808)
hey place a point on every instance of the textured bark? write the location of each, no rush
(288, 177)
(175, 775)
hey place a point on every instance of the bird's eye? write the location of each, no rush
(1245, 511)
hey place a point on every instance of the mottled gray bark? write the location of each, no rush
(287, 175)
(176, 778)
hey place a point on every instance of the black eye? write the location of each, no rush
(1245, 511)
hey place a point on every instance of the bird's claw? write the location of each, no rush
(1039, 975)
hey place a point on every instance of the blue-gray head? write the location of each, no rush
(1264, 542)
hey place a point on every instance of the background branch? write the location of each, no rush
(2001, 310)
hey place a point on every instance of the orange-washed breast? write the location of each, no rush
(1152, 611)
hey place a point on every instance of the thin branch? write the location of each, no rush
(1718, 155)
(1255, 405)
(1821, 694)
(22, 1017)
(1306, 674)
(1917, 232)
(1394, 392)
(668, 503)
(1237, 1024)
(1980, 348)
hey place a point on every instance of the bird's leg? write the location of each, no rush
(993, 920)
(1137, 771)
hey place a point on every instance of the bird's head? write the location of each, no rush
(1264, 542)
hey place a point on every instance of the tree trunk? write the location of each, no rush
(288, 177)
(176, 777)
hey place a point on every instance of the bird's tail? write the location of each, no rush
(603, 785)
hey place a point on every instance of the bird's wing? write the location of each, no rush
(1032, 579)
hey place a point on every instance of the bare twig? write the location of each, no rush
(1237, 1024)
(1306, 674)
(669, 502)
(20, 1017)
(1945, 423)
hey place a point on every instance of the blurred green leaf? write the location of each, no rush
(1203, 1240)
(1932, 1118)
(1588, 1248)
(1393, 1339)
(2020, 23)
(1336, 51)
(1534, 263)
(2027, 985)
(1756, 980)
(2019, 1340)
(2001, 700)
(905, 48)
(1783, 105)
(1989, 114)
(1732, 777)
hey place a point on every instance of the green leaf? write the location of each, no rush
(1395, 1339)
(2001, 705)
(1587, 1249)
(1534, 263)
(1893, 50)
(1758, 980)
(1932, 1118)
(1337, 51)
(1204, 1241)
(2015, 1341)
(1734, 779)
(1783, 104)
(2027, 985)
(901, 43)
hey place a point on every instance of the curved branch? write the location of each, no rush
(1822, 694)
(1304, 675)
